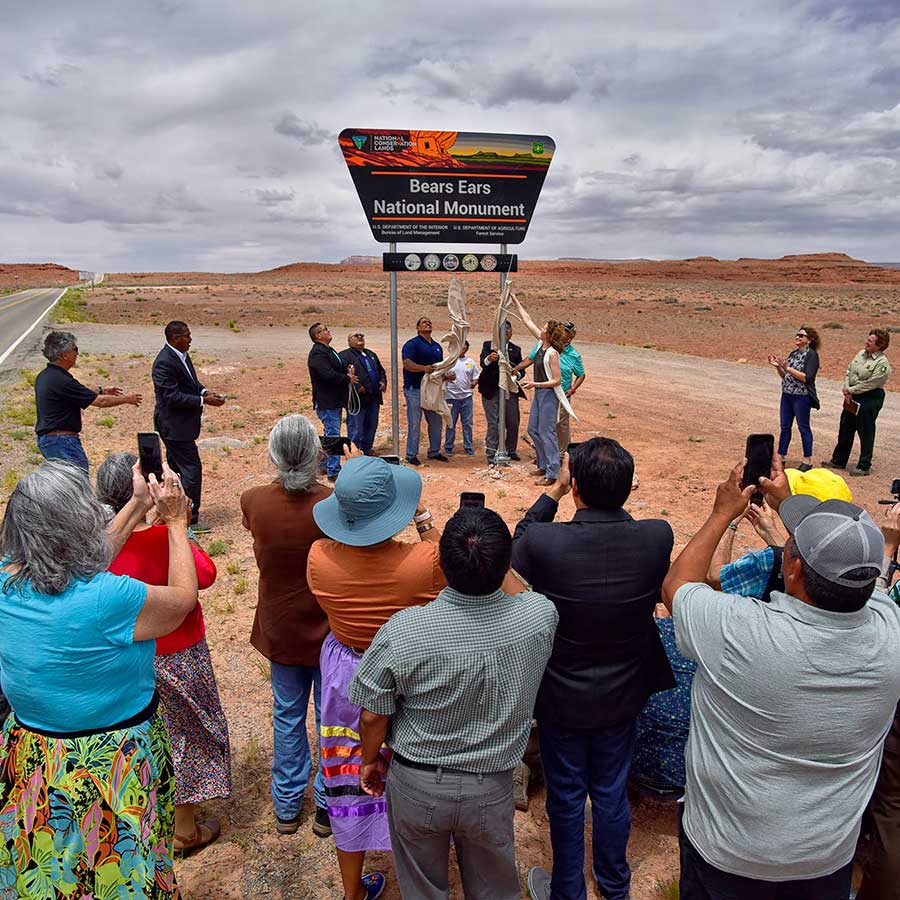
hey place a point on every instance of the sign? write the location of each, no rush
(450, 262)
(460, 187)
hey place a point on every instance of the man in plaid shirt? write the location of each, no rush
(451, 686)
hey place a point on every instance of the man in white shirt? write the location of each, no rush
(459, 399)
(791, 702)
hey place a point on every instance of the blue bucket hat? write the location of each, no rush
(372, 501)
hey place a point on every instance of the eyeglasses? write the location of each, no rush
(358, 334)
(802, 334)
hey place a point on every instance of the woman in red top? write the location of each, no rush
(190, 705)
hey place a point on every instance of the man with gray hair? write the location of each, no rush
(792, 701)
(60, 398)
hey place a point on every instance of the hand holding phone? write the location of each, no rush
(759, 452)
(471, 500)
(334, 446)
(150, 454)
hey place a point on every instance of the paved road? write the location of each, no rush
(19, 316)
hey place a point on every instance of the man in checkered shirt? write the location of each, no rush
(451, 687)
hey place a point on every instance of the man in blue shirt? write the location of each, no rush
(419, 357)
(361, 426)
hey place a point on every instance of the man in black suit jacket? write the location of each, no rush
(489, 388)
(330, 377)
(604, 571)
(361, 426)
(180, 398)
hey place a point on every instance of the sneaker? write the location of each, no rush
(470, 452)
(538, 884)
(439, 457)
(200, 527)
(515, 456)
(831, 464)
(413, 461)
(521, 777)
(804, 467)
(858, 471)
(374, 885)
(287, 826)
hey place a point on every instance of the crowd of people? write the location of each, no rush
(448, 674)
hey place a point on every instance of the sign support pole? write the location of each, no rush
(501, 458)
(395, 380)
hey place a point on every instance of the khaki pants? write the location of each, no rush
(563, 430)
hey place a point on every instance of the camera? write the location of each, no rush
(895, 490)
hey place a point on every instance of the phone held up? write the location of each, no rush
(471, 500)
(150, 454)
(895, 490)
(391, 460)
(334, 446)
(760, 448)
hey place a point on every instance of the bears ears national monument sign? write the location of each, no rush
(447, 186)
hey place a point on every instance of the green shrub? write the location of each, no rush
(217, 548)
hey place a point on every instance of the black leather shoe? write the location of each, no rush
(413, 461)
(515, 456)
(439, 458)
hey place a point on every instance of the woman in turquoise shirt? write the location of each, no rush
(86, 786)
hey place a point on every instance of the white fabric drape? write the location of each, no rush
(432, 391)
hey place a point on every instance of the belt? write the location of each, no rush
(51, 433)
(147, 713)
(428, 767)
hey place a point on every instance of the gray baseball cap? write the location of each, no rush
(834, 538)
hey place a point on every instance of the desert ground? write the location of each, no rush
(675, 355)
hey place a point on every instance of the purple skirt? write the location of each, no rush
(358, 821)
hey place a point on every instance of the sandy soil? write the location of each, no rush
(684, 415)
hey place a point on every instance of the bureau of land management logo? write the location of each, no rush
(359, 140)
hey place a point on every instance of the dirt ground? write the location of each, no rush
(679, 386)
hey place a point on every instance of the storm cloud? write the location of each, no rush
(178, 135)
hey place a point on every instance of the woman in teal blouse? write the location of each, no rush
(86, 787)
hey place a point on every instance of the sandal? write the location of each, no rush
(205, 833)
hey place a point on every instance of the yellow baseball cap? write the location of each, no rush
(823, 484)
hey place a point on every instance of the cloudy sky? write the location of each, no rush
(180, 134)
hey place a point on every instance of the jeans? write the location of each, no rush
(414, 423)
(291, 761)
(66, 447)
(578, 763)
(331, 419)
(542, 428)
(426, 809)
(863, 423)
(460, 409)
(795, 405)
(361, 428)
(702, 881)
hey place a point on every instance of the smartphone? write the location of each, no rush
(334, 446)
(572, 447)
(471, 500)
(150, 454)
(760, 448)
(392, 460)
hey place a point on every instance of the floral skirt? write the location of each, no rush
(88, 816)
(198, 730)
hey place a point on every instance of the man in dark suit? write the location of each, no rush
(489, 387)
(361, 426)
(180, 398)
(330, 377)
(603, 570)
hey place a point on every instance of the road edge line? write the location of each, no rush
(31, 327)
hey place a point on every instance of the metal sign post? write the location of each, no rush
(501, 457)
(395, 378)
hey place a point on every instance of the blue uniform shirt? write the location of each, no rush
(423, 352)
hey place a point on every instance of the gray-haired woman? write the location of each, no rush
(85, 768)
(198, 730)
(289, 625)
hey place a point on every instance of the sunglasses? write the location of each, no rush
(802, 334)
